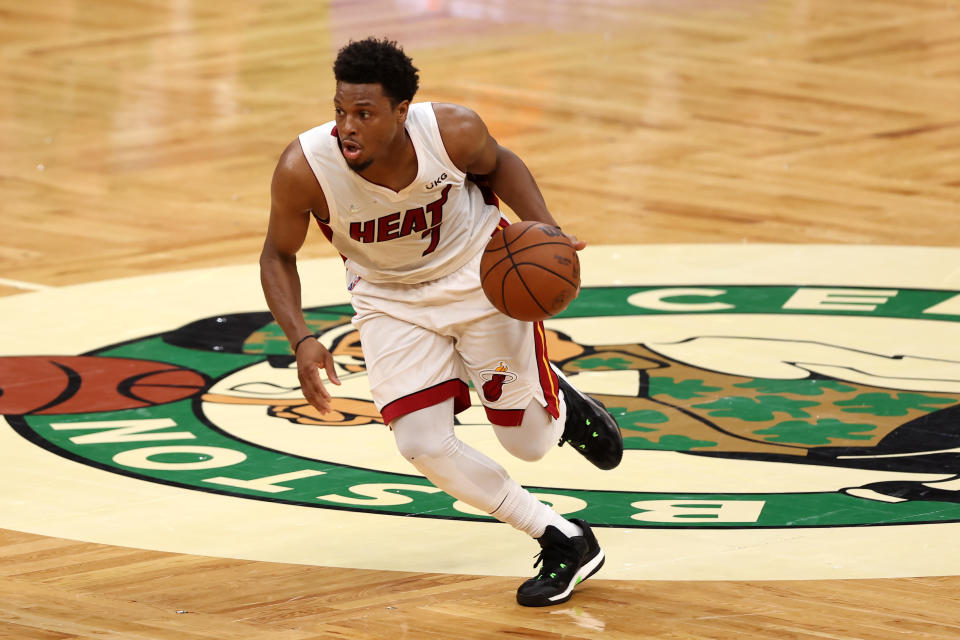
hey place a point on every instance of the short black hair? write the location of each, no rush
(373, 61)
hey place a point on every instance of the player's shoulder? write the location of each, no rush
(462, 130)
(293, 162)
(456, 117)
(294, 173)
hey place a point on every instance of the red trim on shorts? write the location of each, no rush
(548, 379)
(456, 389)
(505, 417)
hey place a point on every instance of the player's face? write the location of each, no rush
(367, 123)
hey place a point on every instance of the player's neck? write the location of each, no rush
(397, 168)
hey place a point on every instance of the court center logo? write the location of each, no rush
(786, 399)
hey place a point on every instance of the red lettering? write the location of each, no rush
(390, 227)
(436, 218)
(387, 227)
(363, 231)
(434, 233)
(413, 220)
(436, 207)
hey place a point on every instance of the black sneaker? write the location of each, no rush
(590, 429)
(566, 563)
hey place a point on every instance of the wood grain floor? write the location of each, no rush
(138, 138)
(58, 589)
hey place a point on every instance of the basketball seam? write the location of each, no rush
(507, 244)
(513, 264)
(70, 390)
(519, 277)
(550, 271)
(125, 387)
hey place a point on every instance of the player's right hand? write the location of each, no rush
(578, 244)
(311, 357)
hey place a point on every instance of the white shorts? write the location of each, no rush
(423, 343)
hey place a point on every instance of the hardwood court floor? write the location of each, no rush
(59, 589)
(139, 138)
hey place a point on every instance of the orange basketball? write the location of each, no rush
(530, 271)
(61, 385)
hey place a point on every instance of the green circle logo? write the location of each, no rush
(766, 406)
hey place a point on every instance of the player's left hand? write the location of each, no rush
(311, 358)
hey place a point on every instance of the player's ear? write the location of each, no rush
(401, 111)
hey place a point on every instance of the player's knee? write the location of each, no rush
(533, 438)
(529, 455)
(520, 445)
(413, 447)
(527, 449)
(426, 433)
(530, 451)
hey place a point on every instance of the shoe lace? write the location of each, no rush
(554, 560)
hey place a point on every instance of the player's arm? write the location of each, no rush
(294, 196)
(472, 148)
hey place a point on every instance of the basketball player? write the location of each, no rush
(393, 186)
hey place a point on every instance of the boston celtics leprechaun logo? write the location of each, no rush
(705, 383)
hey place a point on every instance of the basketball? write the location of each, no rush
(61, 385)
(530, 271)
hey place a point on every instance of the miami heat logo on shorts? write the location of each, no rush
(494, 379)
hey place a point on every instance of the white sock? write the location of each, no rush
(522, 510)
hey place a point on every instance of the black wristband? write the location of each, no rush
(300, 341)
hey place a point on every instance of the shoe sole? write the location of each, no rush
(585, 572)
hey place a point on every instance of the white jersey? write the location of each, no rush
(425, 231)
